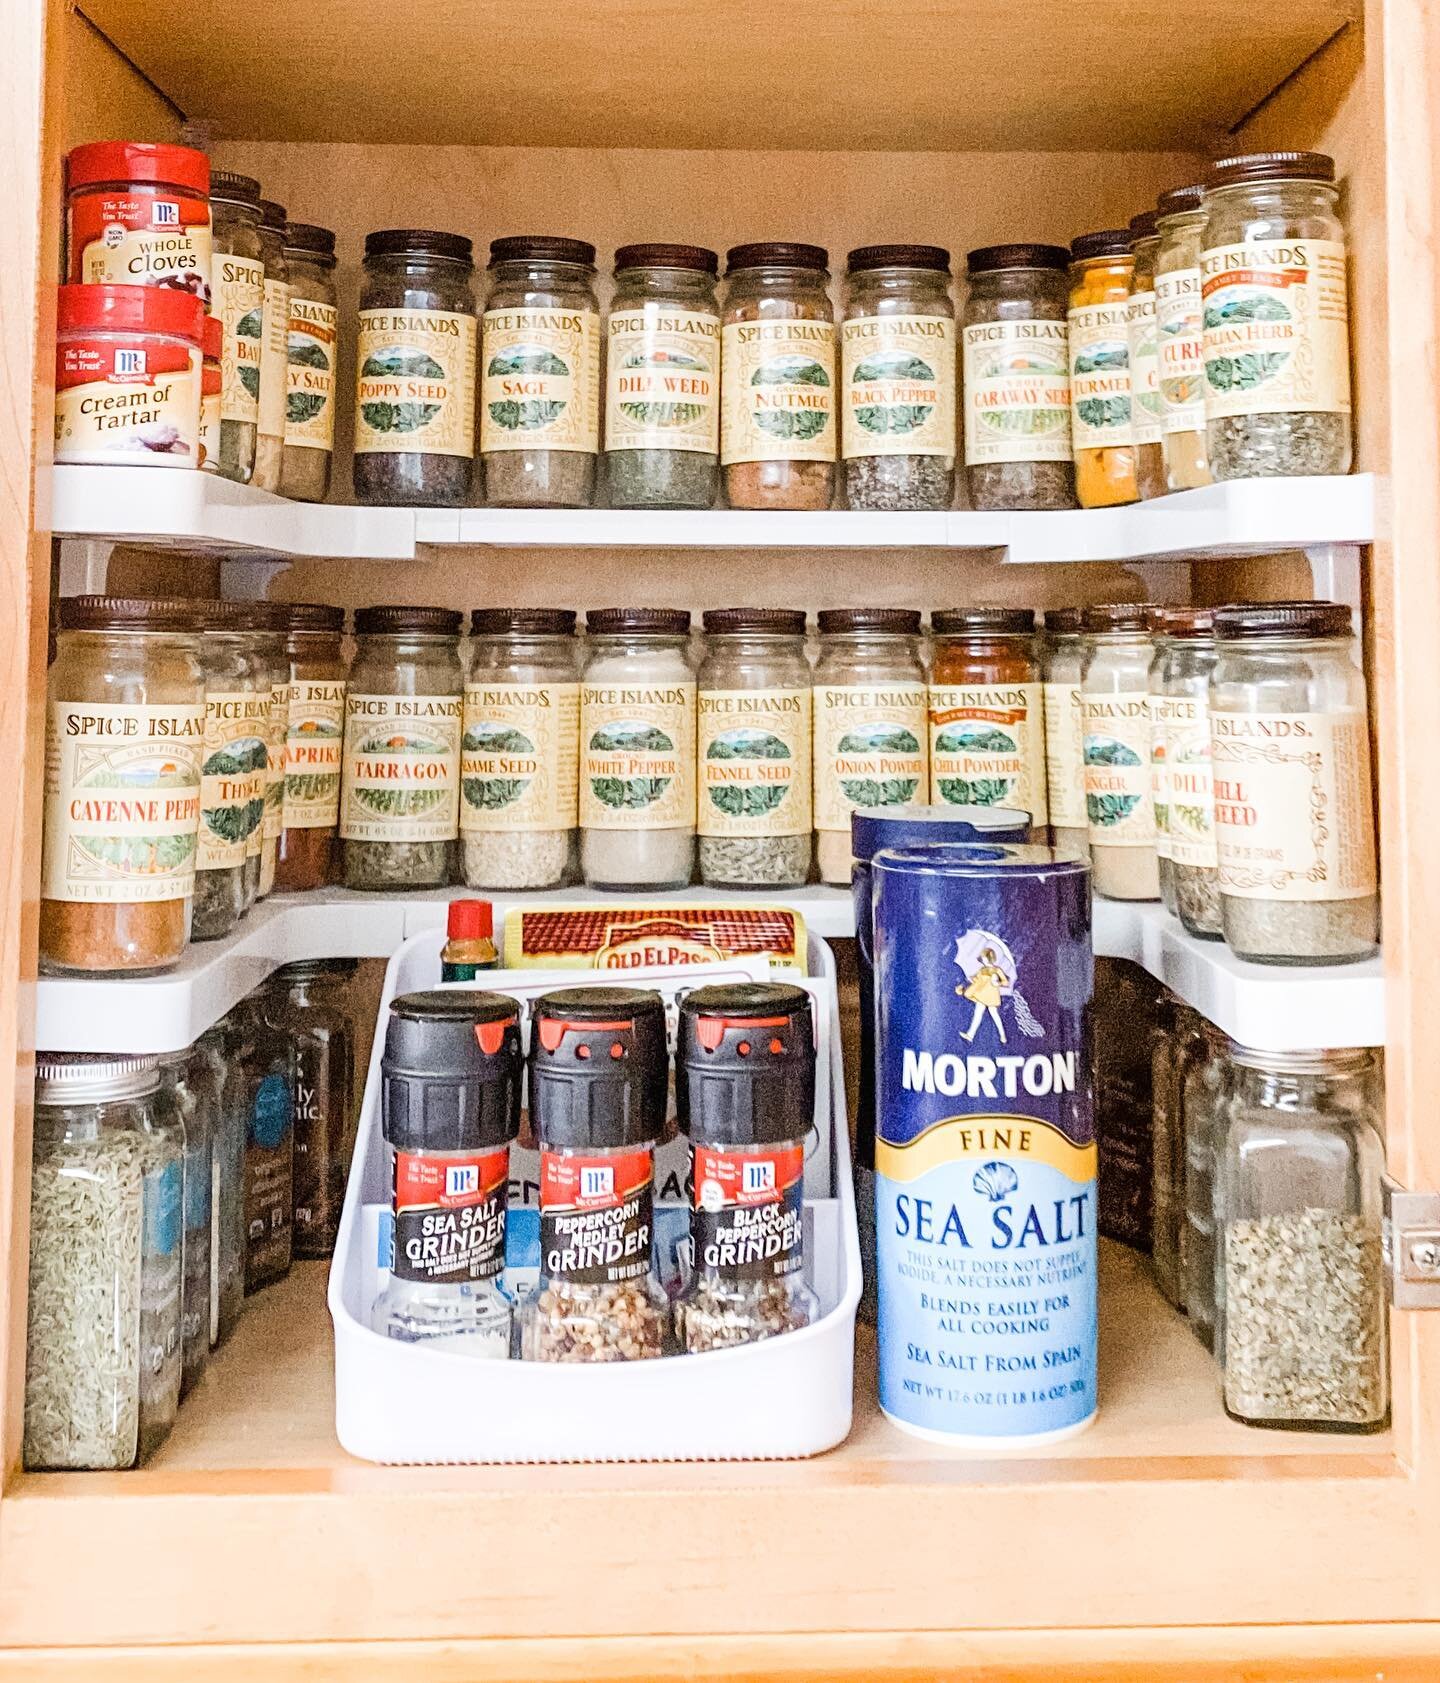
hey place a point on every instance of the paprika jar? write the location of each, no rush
(232, 787)
(1140, 329)
(138, 214)
(1062, 656)
(312, 346)
(212, 344)
(1119, 788)
(238, 299)
(1180, 223)
(314, 734)
(274, 349)
(1100, 420)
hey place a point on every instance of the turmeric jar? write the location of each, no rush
(1101, 266)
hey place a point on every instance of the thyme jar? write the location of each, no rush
(1189, 864)
(540, 388)
(1276, 318)
(274, 344)
(1100, 398)
(312, 346)
(662, 381)
(415, 370)
(1141, 338)
(232, 784)
(1119, 795)
(778, 419)
(314, 737)
(754, 749)
(897, 372)
(520, 753)
(237, 297)
(1290, 747)
(1180, 223)
(400, 780)
(1062, 656)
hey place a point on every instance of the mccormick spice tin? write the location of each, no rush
(985, 1197)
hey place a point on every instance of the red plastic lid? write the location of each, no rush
(131, 309)
(147, 163)
(213, 338)
(470, 920)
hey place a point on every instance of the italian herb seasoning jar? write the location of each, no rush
(1290, 752)
(126, 717)
(987, 712)
(1276, 318)
(897, 370)
(662, 381)
(237, 289)
(312, 344)
(1180, 222)
(1062, 655)
(314, 735)
(138, 214)
(598, 1081)
(400, 784)
(1141, 337)
(1189, 866)
(520, 752)
(1202, 1099)
(415, 370)
(1100, 414)
(193, 1093)
(274, 360)
(637, 750)
(451, 1106)
(778, 419)
(745, 1096)
(540, 386)
(872, 734)
(212, 380)
(1119, 792)
(753, 754)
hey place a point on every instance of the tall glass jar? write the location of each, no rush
(400, 781)
(1204, 1090)
(1178, 1035)
(1290, 751)
(1159, 778)
(637, 750)
(662, 378)
(232, 786)
(1180, 223)
(1141, 337)
(1100, 398)
(237, 298)
(872, 732)
(415, 370)
(269, 623)
(778, 416)
(314, 733)
(1062, 655)
(520, 753)
(225, 1046)
(540, 374)
(312, 345)
(263, 1064)
(1189, 866)
(274, 349)
(1300, 1276)
(897, 374)
(756, 810)
(1276, 324)
(189, 1084)
(1119, 795)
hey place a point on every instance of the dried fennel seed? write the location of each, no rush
(754, 861)
(717, 1317)
(585, 1323)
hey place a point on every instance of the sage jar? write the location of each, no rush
(662, 380)
(1101, 428)
(755, 811)
(400, 779)
(314, 734)
(274, 368)
(1189, 863)
(1062, 657)
(237, 298)
(1119, 795)
(1140, 333)
(1276, 318)
(1180, 223)
(897, 378)
(232, 783)
(540, 374)
(415, 370)
(312, 347)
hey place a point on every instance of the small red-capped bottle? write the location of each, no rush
(469, 941)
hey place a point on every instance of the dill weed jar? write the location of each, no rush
(233, 776)
(237, 289)
(312, 342)
(314, 734)
(1062, 654)
(1140, 330)
(1100, 420)
(274, 365)
(1119, 791)
(1180, 223)
(1189, 862)
(138, 214)
(662, 383)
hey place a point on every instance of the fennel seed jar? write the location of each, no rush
(312, 343)
(270, 442)
(1062, 656)
(232, 783)
(314, 734)
(1180, 223)
(237, 297)
(1101, 429)
(1119, 795)
(1140, 333)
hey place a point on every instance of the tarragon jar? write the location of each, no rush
(1101, 427)
(1062, 657)
(1189, 862)
(232, 788)
(1140, 329)
(138, 214)
(274, 362)
(1180, 223)
(238, 299)
(314, 734)
(1119, 791)
(312, 344)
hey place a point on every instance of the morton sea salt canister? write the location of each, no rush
(985, 1145)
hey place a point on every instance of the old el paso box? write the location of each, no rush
(621, 938)
(985, 1147)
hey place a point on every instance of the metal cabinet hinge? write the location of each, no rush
(1410, 1238)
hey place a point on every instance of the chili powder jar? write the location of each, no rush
(315, 729)
(1100, 414)
(138, 214)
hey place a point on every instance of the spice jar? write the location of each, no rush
(1141, 337)
(191, 1088)
(269, 624)
(138, 214)
(1189, 865)
(274, 349)
(598, 1080)
(1159, 781)
(872, 734)
(1203, 1091)
(1100, 418)
(777, 379)
(662, 380)
(263, 1061)
(212, 345)
(1290, 750)
(637, 750)
(520, 752)
(400, 787)
(753, 749)
(237, 287)
(312, 344)
(314, 733)
(1180, 223)
(540, 393)
(1119, 795)
(1173, 1040)
(232, 785)
(124, 745)
(987, 728)
(1062, 655)
(897, 362)
(1276, 322)
(415, 370)
(223, 1045)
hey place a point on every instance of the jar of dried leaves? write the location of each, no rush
(233, 776)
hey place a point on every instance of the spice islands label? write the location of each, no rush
(898, 375)
(1119, 785)
(1100, 376)
(239, 301)
(748, 1217)
(233, 776)
(310, 347)
(401, 774)
(1141, 333)
(449, 1216)
(596, 1216)
(1017, 392)
(637, 756)
(1180, 339)
(134, 240)
(662, 380)
(778, 392)
(314, 735)
(274, 372)
(754, 763)
(541, 384)
(127, 403)
(1065, 755)
(275, 746)
(987, 746)
(415, 390)
(519, 757)
(870, 749)
(1189, 789)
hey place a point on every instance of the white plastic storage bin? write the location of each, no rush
(784, 1397)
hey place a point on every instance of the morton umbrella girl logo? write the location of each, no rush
(991, 973)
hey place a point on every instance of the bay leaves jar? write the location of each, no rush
(1180, 223)
(314, 736)
(270, 443)
(237, 298)
(312, 345)
(1119, 794)
(1140, 330)
(1101, 432)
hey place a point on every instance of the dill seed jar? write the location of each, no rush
(520, 752)
(400, 779)
(1100, 399)
(1062, 655)
(314, 734)
(270, 443)
(1290, 755)
(1276, 318)
(754, 745)
(1140, 333)
(897, 372)
(415, 370)
(138, 214)
(1189, 863)
(662, 384)
(1119, 795)
(312, 343)
(232, 782)
(237, 293)
(540, 386)
(1180, 223)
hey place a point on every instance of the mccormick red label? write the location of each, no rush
(450, 1216)
(747, 1221)
(145, 236)
(596, 1216)
(127, 402)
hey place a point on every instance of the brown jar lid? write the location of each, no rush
(1282, 619)
(314, 616)
(541, 248)
(780, 622)
(400, 621)
(1105, 242)
(1062, 622)
(657, 622)
(1270, 166)
(1142, 226)
(272, 216)
(234, 189)
(310, 238)
(903, 622)
(1118, 616)
(660, 256)
(261, 616)
(787, 254)
(986, 259)
(899, 257)
(418, 242)
(1184, 622)
(522, 622)
(1179, 200)
(991, 622)
(130, 613)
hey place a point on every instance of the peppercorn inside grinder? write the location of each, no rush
(598, 1086)
(450, 1090)
(745, 1095)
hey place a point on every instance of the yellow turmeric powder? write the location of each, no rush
(1100, 270)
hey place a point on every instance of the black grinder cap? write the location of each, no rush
(451, 1071)
(745, 1064)
(598, 1067)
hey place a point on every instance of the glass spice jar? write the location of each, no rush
(1172, 1041)
(312, 347)
(126, 715)
(212, 380)
(897, 370)
(237, 287)
(520, 752)
(400, 784)
(314, 735)
(1119, 796)
(778, 420)
(274, 349)
(1159, 781)
(1100, 398)
(1141, 338)
(226, 1045)
(662, 382)
(137, 213)
(1276, 317)
(1180, 223)
(540, 390)
(264, 1064)
(1189, 863)
(232, 786)
(268, 623)
(193, 1093)
(415, 370)
(1204, 1089)
(1062, 656)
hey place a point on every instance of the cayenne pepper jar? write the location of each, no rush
(238, 299)
(315, 729)
(1180, 221)
(138, 214)
(1100, 420)
(312, 343)
(1140, 328)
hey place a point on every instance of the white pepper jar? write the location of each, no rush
(1119, 798)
